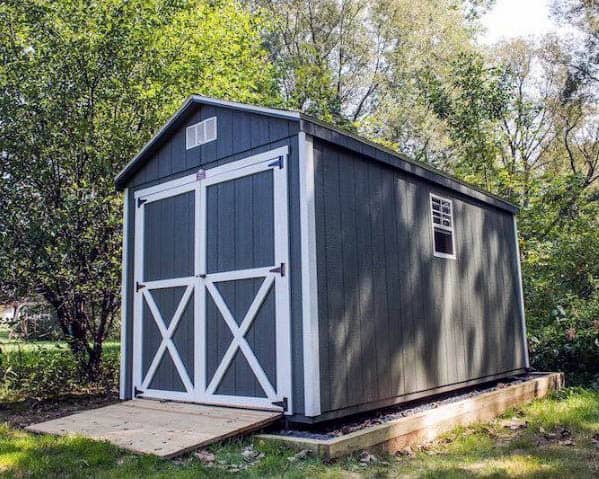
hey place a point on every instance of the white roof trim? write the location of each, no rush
(292, 115)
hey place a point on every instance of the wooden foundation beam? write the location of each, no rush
(425, 426)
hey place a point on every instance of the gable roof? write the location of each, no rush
(321, 130)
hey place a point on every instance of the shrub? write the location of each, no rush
(569, 341)
(47, 372)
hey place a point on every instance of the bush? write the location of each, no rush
(569, 341)
(37, 372)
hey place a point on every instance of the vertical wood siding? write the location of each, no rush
(240, 134)
(394, 319)
(168, 253)
(237, 132)
(240, 235)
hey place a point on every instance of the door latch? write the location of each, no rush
(279, 269)
(278, 163)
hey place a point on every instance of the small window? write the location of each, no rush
(442, 222)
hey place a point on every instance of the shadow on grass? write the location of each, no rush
(481, 451)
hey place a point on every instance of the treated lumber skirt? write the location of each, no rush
(425, 426)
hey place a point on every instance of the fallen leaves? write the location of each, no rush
(366, 458)
(301, 456)
(560, 436)
(249, 457)
(205, 457)
(407, 452)
(514, 423)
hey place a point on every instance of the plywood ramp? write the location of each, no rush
(165, 429)
(425, 426)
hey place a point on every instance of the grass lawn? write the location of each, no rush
(10, 345)
(561, 440)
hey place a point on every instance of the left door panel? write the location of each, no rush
(164, 295)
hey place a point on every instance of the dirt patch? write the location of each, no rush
(25, 413)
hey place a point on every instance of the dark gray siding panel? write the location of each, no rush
(395, 320)
(362, 146)
(180, 164)
(237, 132)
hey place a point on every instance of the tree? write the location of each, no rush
(84, 84)
(515, 131)
(353, 61)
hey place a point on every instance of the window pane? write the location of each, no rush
(443, 241)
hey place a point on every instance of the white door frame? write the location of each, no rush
(202, 283)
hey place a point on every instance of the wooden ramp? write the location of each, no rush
(165, 429)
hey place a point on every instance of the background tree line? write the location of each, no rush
(84, 84)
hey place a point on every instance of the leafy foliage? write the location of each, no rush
(50, 372)
(84, 84)
(513, 132)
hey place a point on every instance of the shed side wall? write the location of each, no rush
(395, 320)
(240, 135)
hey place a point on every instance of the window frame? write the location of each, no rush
(450, 229)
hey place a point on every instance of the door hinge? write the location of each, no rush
(140, 201)
(278, 269)
(139, 286)
(279, 162)
(283, 404)
(137, 392)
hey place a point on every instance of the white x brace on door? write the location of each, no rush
(213, 326)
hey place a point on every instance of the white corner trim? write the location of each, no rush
(309, 278)
(124, 274)
(521, 295)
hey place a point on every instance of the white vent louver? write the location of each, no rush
(200, 133)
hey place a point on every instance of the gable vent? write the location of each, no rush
(200, 133)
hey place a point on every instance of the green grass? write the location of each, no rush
(47, 370)
(481, 451)
(10, 345)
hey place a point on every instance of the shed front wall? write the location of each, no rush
(240, 135)
(395, 320)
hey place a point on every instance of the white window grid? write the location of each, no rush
(442, 212)
(442, 218)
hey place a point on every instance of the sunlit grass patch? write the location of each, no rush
(480, 451)
(577, 409)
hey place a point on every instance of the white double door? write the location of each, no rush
(211, 315)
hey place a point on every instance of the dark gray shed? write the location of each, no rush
(272, 261)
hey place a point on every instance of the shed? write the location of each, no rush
(271, 261)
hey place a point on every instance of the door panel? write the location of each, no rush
(169, 237)
(240, 223)
(212, 293)
(166, 295)
(240, 236)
